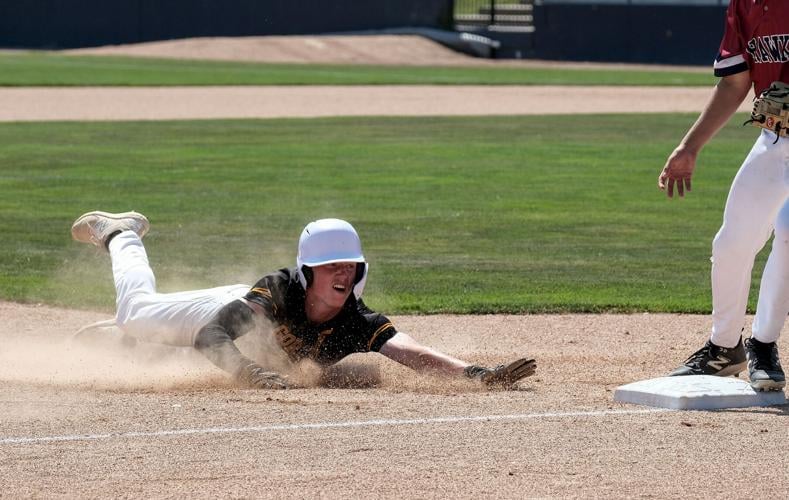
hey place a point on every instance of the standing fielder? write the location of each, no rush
(315, 309)
(754, 53)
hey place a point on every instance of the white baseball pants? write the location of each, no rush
(165, 318)
(757, 206)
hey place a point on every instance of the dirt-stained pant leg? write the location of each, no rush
(757, 195)
(166, 318)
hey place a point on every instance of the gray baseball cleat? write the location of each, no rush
(764, 367)
(97, 228)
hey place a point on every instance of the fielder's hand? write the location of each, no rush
(504, 376)
(256, 376)
(678, 172)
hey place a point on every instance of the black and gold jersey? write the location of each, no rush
(355, 329)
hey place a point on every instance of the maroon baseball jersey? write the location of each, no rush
(756, 38)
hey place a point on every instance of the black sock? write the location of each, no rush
(109, 238)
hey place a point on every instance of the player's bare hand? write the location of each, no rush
(256, 376)
(677, 172)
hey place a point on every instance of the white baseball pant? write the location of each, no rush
(165, 318)
(756, 207)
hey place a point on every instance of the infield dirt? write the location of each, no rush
(96, 420)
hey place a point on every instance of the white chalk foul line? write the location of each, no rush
(325, 425)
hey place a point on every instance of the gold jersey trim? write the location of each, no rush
(378, 332)
(263, 292)
(321, 337)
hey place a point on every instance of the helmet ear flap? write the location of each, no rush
(361, 267)
(307, 273)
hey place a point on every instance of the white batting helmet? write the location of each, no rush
(326, 241)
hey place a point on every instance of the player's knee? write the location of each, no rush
(127, 314)
(727, 244)
(734, 245)
(124, 320)
(782, 227)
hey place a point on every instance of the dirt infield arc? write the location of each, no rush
(164, 103)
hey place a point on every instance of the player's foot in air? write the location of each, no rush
(97, 228)
(714, 360)
(764, 367)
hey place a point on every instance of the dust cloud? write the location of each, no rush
(104, 361)
(39, 347)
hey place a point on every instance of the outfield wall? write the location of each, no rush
(646, 33)
(636, 31)
(85, 23)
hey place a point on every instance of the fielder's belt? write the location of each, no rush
(771, 110)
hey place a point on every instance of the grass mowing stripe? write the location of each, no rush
(48, 69)
(468, 215)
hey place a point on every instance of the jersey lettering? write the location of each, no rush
(290, 343)
(769, 48)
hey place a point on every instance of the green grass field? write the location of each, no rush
(43, 69)
(467, 215)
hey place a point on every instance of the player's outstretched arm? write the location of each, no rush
(407, 351)
(215, 341)
(726, 98)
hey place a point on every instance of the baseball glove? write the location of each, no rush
(771, 110)
(502, 376)
(256, 376)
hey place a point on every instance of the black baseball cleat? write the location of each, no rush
(714, 360)
(764, 367)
